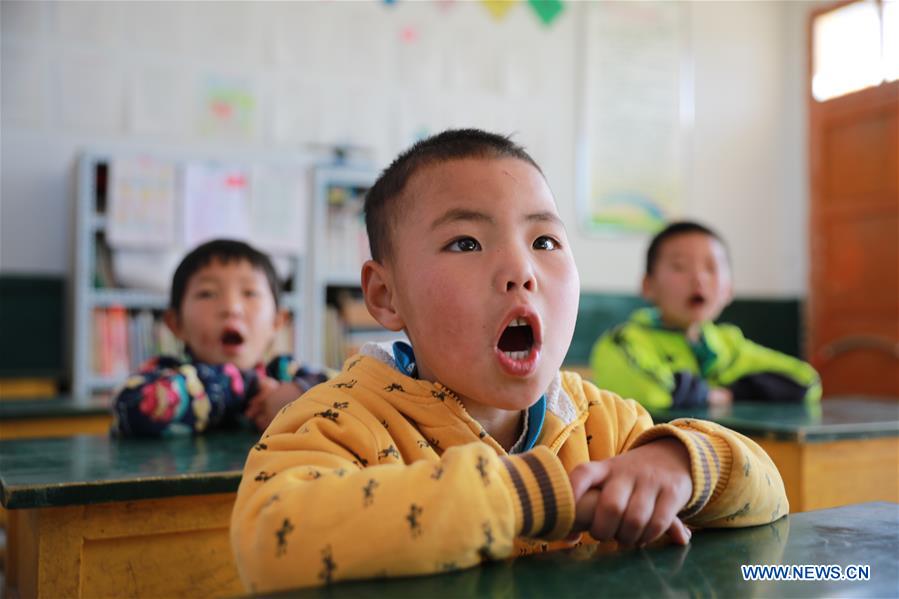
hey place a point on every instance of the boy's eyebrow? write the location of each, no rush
(545, 216)
(457, 214)
(460, 214)
(205, 279)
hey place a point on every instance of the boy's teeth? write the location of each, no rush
(518, 322)
(516, 355)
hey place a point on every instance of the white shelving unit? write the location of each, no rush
(324, 273)
(91, 225)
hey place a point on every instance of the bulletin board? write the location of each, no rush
(636, 116)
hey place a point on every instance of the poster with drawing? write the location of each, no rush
(278, 205)
(142, 196)
(216, 202)
(636, 116)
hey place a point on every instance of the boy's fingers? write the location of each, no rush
(584, 510)
(262, 422)
(268, 384)
(253, 407)
(679, 532)
(610, 508)
(664, 513)
(637, 515)
(586, 476)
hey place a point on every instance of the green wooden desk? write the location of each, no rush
(52, 417)
(865, 534)
(91, 516)
(843, 451)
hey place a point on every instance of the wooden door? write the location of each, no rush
(853, 305)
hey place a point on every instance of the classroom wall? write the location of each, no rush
(374, 75)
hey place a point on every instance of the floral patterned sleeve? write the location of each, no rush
(169, 397)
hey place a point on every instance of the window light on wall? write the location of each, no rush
(854, 47)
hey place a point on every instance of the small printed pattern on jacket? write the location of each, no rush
(170, 396)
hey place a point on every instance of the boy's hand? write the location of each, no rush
(634, 498)
(272, 396)
(720, 396)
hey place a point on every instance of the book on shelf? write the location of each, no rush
(125, 339)
(104, 276)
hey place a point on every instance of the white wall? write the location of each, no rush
(76, 74)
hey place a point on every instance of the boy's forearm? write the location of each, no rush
(148, 403)
(330, 520)
(167, 397)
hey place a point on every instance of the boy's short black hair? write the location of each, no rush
(453, 144)
(673, 230)
(223, 250)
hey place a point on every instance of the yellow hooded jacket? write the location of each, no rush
(378, 474)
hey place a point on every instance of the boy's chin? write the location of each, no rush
(519, 396)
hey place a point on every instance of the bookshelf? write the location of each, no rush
(117, 324)
(339, 320)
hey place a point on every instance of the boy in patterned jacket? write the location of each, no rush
(224, 307)
(469, 444)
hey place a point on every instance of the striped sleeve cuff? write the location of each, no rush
(710, 462)
(543, 501)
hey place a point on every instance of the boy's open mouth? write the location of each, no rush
(518, 344)
(517, 339)
(696, 300)
(231, 338)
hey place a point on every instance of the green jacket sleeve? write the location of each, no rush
(763, 374)
(631, 367)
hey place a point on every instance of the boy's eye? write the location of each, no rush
(204, 294)
(250, 293)
(544, 242)
(464, 244)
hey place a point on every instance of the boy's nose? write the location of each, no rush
(516, 272)
(233, 304)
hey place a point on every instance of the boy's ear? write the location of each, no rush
(730, 293)
(377, 288)
(170, 317)
(281, 317)
(646, 288)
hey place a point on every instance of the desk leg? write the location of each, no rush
(158, 547)
(835, 473)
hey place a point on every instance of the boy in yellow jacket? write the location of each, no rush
(469, 444)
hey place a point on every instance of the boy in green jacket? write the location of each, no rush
(674, 355)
